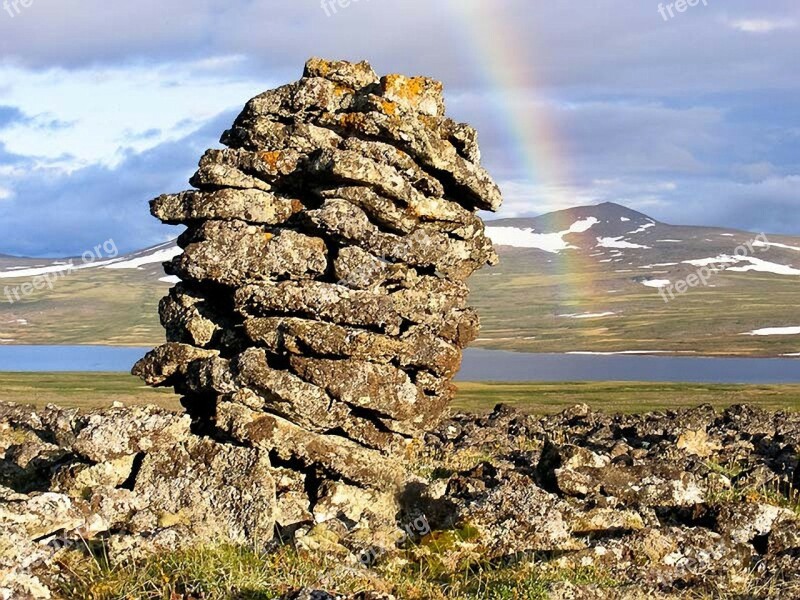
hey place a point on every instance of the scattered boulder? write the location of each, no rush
(644, 521)
(135, 478)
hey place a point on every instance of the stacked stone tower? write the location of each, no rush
(323, 305)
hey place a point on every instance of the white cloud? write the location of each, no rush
(5, 193)
(103, 113)
(762, 25)
(756, 171)
(521, 198)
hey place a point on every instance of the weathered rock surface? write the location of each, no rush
(126, 475)
(323, 310)
(621, 500)
(664, 504)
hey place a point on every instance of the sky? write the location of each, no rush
(689, 116)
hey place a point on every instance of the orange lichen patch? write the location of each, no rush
(297, 206)
(388, 107)
(323, 67)
(409, 88)
(272, 158)
(342, 90)
(268, 237)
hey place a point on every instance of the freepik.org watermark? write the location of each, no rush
(48, 277)
(673, 9)
(712, 266)
(14, 7)
(331, 7)
(416, 529)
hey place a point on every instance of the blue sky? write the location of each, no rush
(692, 119)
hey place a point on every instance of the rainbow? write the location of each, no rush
(527, 126)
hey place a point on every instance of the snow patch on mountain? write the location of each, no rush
(775, 331)
(617, 242)
(756, 264)
(764, 266)
(527, 238)
(656, 283)
(717, 260)
(760, 244)
(159, 256)
(643, 228)
(54, 268)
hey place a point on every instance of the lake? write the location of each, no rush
(497, 365)
(479, 365)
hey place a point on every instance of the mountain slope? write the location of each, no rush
(598, 278)
(107, 299)
(609, 282)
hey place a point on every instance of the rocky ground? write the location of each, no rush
(693, 503)
(672, 503)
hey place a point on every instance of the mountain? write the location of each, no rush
(607, 219)
(600, 278)
(610, 233)
(606, 278)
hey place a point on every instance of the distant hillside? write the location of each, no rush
(586, 279)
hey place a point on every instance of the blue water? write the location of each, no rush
(479, 365)
(69, 358)
(495, 365)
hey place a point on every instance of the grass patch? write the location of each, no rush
(545, 398)
(93, 390)
(82, 390)
(232, 572)
(520, 299)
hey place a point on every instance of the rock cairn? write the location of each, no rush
(323, 305)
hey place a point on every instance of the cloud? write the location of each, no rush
(763, 25)
(544, 43)
(54, 212)
(97, 115)
(522, 199)
(768, 205)
(756, 171)
(103, 106)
